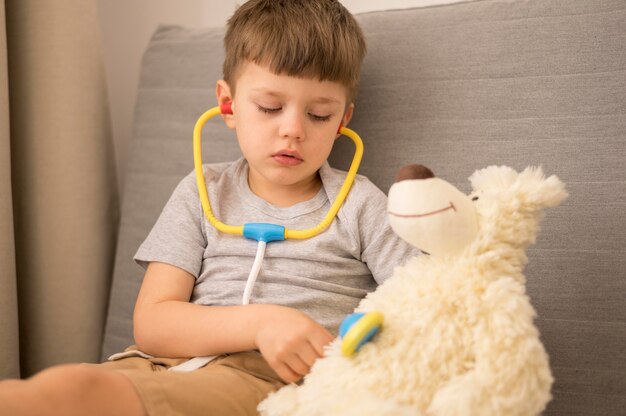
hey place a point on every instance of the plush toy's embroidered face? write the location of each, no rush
(431, 214)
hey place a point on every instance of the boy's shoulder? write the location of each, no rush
(214, 171)
(363, 187)
(224, 173)
(365, 208)
(365, 199)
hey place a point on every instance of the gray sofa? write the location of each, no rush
(457, 88)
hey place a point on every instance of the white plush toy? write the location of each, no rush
(458, 336)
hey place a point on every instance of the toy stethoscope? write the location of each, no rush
(262, 232)
(357, 328)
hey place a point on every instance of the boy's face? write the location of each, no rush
(286, 126)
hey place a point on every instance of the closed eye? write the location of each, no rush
(274, 110)
(268, 110)
(315, 117)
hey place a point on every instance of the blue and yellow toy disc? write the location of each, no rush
(357, 329)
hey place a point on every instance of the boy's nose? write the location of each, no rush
(292, 126)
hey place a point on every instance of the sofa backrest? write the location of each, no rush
(457, 88)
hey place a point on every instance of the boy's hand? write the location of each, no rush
(290, 341)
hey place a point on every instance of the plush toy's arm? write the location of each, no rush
(511, 375)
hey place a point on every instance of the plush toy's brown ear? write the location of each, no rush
(414, 172)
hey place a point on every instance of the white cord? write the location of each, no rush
(193, 364)
(254, 273)
(199, 362)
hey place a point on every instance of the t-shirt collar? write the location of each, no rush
(282, 213)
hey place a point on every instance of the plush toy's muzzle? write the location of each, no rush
(429, 213)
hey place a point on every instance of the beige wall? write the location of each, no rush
(127, 25)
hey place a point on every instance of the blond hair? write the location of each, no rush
(303, 38)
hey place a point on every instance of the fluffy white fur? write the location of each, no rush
(458, 337)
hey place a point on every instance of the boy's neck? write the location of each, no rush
(288, 195)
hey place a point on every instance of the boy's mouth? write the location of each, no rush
(287, 157)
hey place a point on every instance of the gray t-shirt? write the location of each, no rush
(324, 276)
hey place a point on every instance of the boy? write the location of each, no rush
(291, 74)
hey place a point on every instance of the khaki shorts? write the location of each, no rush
(232, 384)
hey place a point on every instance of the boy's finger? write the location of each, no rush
(308, 355)
(297, 365)
(287, 373)
(320, 340)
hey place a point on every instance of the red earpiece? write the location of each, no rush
(227, 108)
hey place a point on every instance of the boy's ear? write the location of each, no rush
(347, 116)
(224, 95)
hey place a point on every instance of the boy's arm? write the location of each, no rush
(166, 324)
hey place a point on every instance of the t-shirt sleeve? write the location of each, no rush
(381, 249)
(177, 237)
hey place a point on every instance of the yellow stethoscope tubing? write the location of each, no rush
(238, 229)
(197, 161)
